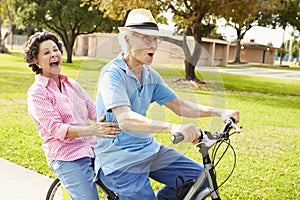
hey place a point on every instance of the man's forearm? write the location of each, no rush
(138, 123)
(193, 110)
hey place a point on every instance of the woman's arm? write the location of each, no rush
(100, 128)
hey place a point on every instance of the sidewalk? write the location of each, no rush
(254, 71)
(17, 182)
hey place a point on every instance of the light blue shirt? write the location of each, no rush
(118, 86)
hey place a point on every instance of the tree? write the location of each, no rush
(285, 13)
(242, 15)
(7, 13)
(196, 19)
(68, 19)
(193, 17)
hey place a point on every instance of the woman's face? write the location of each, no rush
(142, 47)
(49, 59)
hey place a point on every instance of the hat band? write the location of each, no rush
(144, 25)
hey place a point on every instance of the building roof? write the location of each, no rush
(254, 45)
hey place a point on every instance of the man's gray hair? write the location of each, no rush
(122, 40)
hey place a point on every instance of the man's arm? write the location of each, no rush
(129, 120)
(189, 109)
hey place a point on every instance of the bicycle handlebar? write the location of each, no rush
(176, 137)
(229, 124)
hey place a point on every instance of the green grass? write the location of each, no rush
(267, 150)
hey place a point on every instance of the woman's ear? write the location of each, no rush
(36, 61)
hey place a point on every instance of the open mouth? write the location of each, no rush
(54, 64)
(151, 54)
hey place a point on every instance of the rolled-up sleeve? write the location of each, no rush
(113, 90)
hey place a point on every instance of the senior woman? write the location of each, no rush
(61, 109)
(127, 86)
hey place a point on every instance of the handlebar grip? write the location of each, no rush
(228, 124)
(232, 119)
(177, 137)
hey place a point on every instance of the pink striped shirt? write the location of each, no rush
(54, 111)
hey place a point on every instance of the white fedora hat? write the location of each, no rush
(141, 21)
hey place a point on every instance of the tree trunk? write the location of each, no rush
(190, 61)
(69, 54)
(237, 58)
(30, 30)
(1, 22)
(189, 70)
(68, 41)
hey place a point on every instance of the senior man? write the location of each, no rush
(127, 86)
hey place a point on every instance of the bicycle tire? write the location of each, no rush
(54, 191)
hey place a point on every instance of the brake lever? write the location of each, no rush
(236, 128)
(207, 139)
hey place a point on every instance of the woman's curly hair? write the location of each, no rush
(32, 48)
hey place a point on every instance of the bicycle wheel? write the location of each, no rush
(56, 191)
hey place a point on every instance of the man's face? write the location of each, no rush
(142, 47)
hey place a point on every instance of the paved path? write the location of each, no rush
(253, 71)
(19, 183)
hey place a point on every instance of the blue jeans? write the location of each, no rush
(77, 178)
(133, 181)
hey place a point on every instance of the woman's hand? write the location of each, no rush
(105, 129)
(100, 128)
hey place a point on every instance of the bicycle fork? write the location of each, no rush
(210, 176)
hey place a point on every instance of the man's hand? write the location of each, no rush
(189, 131)
(231, 113)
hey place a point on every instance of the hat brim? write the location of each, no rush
(142, 31)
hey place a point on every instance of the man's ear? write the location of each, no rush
(127, 41)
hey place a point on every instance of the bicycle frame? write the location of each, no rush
(207, 141)
(208, 174)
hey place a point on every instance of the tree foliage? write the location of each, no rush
(67, 18)
(197, 18)
(192, 17)
(242, 15)
(7, 14)
(284, 14)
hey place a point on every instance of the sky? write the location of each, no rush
(261, 35)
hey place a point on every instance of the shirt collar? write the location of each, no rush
(45, 80)
(122, 64)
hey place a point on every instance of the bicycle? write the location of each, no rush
(57, 192)
(205, 143)
(189, 190)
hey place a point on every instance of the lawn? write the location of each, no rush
(267, 150)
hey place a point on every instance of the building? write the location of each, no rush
(106, 46)
(214, 52)
(253, 53)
